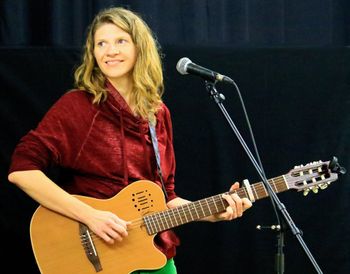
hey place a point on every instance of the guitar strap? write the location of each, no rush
(152, 130)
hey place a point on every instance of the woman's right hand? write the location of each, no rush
(108, 226)
(104, 224)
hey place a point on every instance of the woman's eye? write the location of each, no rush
(122, 41)
(101, 43)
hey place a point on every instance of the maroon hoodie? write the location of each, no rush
(105, 147)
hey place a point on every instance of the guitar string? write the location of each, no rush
(259, 188)
(186, 209)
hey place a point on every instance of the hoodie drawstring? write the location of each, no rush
(125, 158)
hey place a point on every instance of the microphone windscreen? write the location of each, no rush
(182, 64)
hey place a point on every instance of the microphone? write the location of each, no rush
(186, 66)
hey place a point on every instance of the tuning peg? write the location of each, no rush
(306, 191)
(315, 189)
(324, 186)
(313, 163)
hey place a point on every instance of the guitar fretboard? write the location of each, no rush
(197, 210)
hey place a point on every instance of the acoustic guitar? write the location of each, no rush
(62, 245)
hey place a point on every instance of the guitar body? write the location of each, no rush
(58, 247)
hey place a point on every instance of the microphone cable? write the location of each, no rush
(256, 149)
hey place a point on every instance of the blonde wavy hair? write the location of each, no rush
(147, 73)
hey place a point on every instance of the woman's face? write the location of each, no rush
(115, 52)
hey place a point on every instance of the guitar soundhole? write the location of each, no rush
(142, 200)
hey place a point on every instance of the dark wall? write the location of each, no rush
(291, 62)
(297, 100)
(252, 23)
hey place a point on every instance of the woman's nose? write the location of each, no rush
(113, 49)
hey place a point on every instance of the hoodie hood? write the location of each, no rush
(130, 124)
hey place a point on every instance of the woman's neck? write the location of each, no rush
(124, 87)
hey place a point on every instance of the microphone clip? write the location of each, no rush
(217, 96)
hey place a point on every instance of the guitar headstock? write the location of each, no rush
(314, 176)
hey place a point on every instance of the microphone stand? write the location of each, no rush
(219, 98)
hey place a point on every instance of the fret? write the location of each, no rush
(195, 210)
(148, 225)
(277, 184)
(151, 225)
(154, 225)
(172, 218)
(222, 202)
(208, 206)
(216, 208)
(169, 218)
(254, 192)
(245, 193)
(266, 193)
(185, 214)
(165, 219)
(273, 185)
(190, 211)
(285, 181)
(200, 204)
(179, 215)
(159, 222)
(155, 222)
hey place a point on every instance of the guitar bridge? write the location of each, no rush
(89, 247)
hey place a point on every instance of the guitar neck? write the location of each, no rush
(197, 210)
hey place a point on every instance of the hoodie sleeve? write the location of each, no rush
(58, 136)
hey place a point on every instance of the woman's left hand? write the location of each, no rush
(235, 208)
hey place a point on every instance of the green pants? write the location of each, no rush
(169, 268)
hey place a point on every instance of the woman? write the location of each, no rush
(100, 133)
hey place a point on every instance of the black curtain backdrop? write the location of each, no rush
(248, 23)
(298, 102)
(291, 62)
